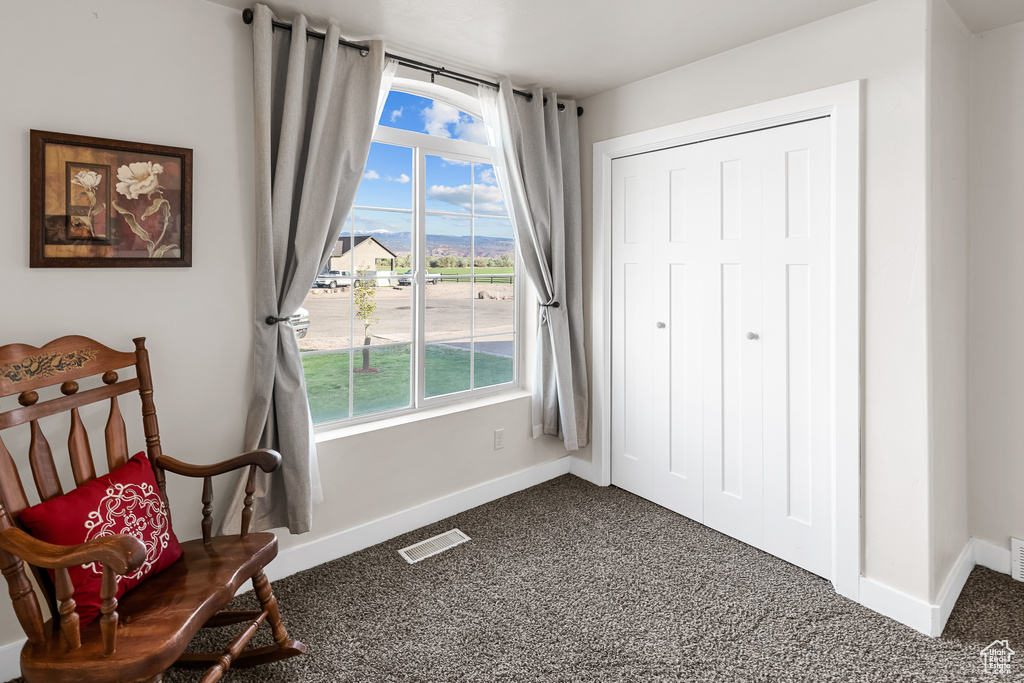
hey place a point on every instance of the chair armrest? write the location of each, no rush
(266, 459)
(121, 552)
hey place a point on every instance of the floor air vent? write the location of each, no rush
(1017, 559)
(433, 546)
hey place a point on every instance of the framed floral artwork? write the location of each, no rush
(109, 203)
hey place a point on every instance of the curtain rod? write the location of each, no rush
(247, 17)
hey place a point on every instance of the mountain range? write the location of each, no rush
(448, 245)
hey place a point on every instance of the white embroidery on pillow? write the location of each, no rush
(135, 509)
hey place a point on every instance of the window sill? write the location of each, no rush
(330, 434)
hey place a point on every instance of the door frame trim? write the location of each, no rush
(843, 104)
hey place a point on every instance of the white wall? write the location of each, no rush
(885, 44)
(996, 397)
(948, 221)
(180, 73)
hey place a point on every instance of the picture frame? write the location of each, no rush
(101, 203)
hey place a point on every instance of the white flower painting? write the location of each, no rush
(139, 178)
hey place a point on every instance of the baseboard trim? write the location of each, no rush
(895, 604)
(583, 469)
(10, 659)
(924, 617)
(346, 542)
(992, 556)
(951, 589)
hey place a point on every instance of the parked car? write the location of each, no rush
(406, 277)
(300, 321)
(333, 279)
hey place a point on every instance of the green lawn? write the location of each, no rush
(447, 370)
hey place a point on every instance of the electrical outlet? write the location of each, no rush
(499, 439)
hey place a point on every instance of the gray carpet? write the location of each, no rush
(572, 582)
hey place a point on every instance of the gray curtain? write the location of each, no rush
(315, 104)
(536, 151)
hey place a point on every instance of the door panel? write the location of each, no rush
(632, 441)
(797, 310)
(732, 378)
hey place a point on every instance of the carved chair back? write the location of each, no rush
(25, 371)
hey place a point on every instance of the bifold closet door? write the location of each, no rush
(720, 335)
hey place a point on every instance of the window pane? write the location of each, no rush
(387, 180)
(381, 238)
(380, 379)
(449, 185)
(449, 243)
(447, 368)
(494, 308)
(495, 242)
(327, 385)
(424, 115)
(493, 360)
(448, 302)
(381, 313)
(486, 194)
(330, 319)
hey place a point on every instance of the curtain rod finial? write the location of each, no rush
(247, 15)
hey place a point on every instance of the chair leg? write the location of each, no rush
(268, 602)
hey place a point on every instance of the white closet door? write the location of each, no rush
(660, 205)
(632, 326)
(796, 247)
(721, 268)
(731, 273)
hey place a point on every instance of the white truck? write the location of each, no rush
(333, 279)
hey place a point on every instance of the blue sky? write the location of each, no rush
(452, 186)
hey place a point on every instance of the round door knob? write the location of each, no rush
(661, 326)
(751, 335)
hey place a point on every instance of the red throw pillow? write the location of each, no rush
(125, 501)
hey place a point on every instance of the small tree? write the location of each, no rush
(364, 298)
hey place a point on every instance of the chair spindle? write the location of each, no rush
(108, 608)
(115, 433)
(78, 442)
(207, 509)
(68, 615)
(40, 457)
(11, 491)
(26, 606)
(234, 648)
(250, 489)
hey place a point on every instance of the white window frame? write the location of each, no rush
(423, 145)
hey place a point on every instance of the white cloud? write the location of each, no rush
(400, 179)
(488, 197)
(438, 117)
(396, 113)
(471, 130)
(446, 121)
(371, 175)
(487, 176)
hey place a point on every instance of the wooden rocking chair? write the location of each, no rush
(138, 638)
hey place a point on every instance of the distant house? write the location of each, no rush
(369, 254)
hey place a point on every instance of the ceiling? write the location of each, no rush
(582, 47)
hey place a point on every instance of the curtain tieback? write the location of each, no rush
(271, 320)
(553, 304)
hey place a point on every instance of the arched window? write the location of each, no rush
(424, 305)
